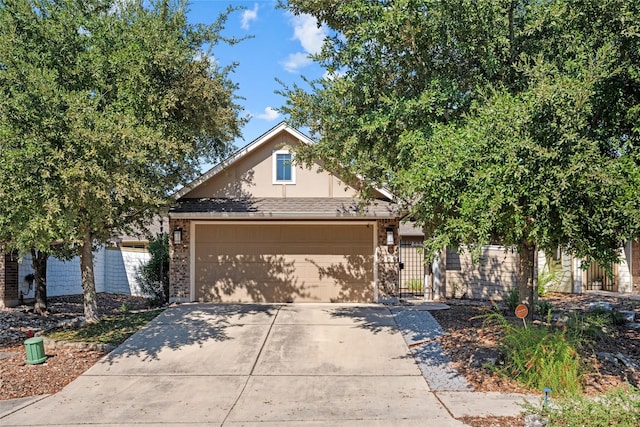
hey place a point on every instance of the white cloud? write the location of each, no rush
(295, 61)
(270, 114)
(248, 16)
(305, 29)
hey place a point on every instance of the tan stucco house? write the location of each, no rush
(260, 228)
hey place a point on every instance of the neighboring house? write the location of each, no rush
(569, 276)
(495, 273)
(115, 270)
(260, 228)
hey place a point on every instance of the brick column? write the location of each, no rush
(9, 296)
(388, 267)
(179, 262)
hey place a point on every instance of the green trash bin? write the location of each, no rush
(35, 350)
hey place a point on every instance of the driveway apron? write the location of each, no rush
(243, 365)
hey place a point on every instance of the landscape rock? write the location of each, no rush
(626, 361)
(633, 326)
(607, 357)
(535, 420)
(615, 359)
(600, 305)
(628, 316)
(560, 319)
(485, 356)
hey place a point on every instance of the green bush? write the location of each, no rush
(540, 356)
(512, 298)
(153, 283)
(543, 308)
(618, 407)
(592, 325)
(414, 285)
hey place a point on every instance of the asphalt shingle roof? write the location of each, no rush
(281, 207)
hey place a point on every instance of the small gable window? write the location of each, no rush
(283, 170)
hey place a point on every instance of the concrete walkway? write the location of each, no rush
(272, 365)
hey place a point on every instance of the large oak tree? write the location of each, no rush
(513, 122)
(105, 108)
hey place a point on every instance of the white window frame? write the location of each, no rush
(274, 162)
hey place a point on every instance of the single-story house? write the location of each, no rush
(259, 227)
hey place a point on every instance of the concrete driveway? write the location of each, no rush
(243, 365)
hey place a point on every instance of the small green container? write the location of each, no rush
(35, 350)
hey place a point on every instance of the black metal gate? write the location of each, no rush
(411, 269)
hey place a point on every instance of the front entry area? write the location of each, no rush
(283, 262)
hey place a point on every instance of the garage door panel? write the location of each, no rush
(212, 250)
(256, 263)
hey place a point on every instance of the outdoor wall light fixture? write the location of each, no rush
(390, 239)
(177, 236)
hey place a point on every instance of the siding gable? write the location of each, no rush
(251, 176)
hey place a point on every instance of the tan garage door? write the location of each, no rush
(284, 263)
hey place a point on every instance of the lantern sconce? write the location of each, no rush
(390, 237)
(177, 236)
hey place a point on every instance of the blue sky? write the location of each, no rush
(279, 47)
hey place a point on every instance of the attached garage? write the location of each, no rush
(284, 262)
(259, 227)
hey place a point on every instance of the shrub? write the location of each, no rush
(540, 356)
(155, 287)
(592, 325)
(512, 299)
(616, 407)
(543, 308)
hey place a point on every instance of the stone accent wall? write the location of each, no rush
(9, 296)
(179, 270)
(388, 267)
(491, 278)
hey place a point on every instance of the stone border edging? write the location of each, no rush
(51, 343)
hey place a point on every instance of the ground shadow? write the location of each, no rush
(187, 325)
(377, 319)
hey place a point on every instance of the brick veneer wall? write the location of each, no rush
(179, 270)
(8, 280)
(388, 267)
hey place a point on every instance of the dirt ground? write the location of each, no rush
(63, 365)
(465, 335)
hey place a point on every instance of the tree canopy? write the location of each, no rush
(510, 122)
(105, 108)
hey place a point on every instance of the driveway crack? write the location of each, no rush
(253, 367)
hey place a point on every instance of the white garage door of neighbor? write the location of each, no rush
(284, 262)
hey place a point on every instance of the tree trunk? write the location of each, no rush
(88, 280)
(39, 265)
(526, 282)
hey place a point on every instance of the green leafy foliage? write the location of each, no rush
(541, 356)
(153, 276)
(491, 122)
(512, 299)
(616, 407)
(104, 111)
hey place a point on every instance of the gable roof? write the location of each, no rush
(244, 151)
